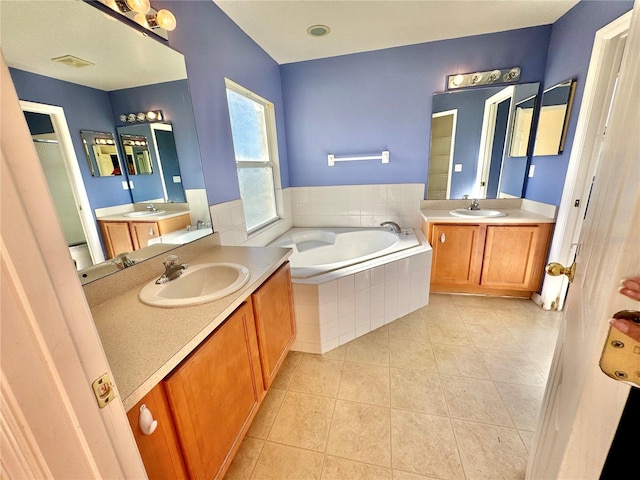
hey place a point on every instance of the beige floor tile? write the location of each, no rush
(490, 452)
(365, 383)
(528, 438)
(478, 315)
(471, 300)
(440, 299)
(409, 327)
(523, 403)
(417, 391)
(361, 432)
(245, 459)
(450, 333)
(511, 367)
(538, 340)
(411, 355)
(400, 475)
(440, 313)
(335, 468)
(516, 317)
(303, 421)
(278, 462)
(542, 362)
(473, 399)
(285, 374)
(266, 414)
(372, 348)
(337, 353)
(424, 444)
(317, 375)
(493, 337)
(460, 361)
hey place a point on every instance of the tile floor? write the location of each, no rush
(451, 391)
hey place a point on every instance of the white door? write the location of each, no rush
(582, 406)
(598, 92)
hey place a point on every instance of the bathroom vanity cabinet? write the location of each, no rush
(206, 403)
(126, 235)
(494, 259)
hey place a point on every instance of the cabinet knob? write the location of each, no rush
(145, 421)
(443, 238)
(151, 232)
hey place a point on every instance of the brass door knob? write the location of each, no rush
(555, 269)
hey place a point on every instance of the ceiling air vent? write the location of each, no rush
(73, 61)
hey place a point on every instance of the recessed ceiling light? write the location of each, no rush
(318, 30)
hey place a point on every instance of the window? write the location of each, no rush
(253, 132)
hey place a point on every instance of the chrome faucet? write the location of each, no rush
(151, 207)
(173, 269)
(392, 226)
(474, 205)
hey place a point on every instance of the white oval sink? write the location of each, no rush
(482, 213)
(144, 213)
(198, 284)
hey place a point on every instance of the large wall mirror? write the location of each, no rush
(125, 72)
(554, 119)
(471, 142)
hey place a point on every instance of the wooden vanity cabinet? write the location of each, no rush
(494, 259)
(275, 322)
(160, 451)
(127, 236)
(215, 393)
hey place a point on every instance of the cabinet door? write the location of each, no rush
(457, 254)
(275, 323)
(160, 451)
(514, 256)
(142, 232)
(174, 223)
(214, 395)
(116, 237)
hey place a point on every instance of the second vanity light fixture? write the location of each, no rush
(490, 77)
(151, 116)
(141, 12)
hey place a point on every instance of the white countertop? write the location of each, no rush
(122, 217)
(512, 216)
(517, 211)
(144, 343)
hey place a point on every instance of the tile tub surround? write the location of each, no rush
(333, 312)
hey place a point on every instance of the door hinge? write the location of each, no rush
(104, 390)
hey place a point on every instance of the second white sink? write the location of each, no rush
(144, 213)
(198, 284)
(482, 213)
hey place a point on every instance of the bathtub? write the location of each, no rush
(350, 281)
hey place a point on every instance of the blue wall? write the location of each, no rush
(85, 109)
(569, 53)
(372, 101)
(215, 48)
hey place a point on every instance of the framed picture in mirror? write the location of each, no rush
(555, 109)
(102, 153)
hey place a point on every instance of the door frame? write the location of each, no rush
(486, 140)
(454, 114)
(593, 111)
(61, 129)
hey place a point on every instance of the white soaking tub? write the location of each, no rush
(350, 281)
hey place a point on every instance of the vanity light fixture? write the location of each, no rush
(490, 77)
(141, 12)
(151, 116)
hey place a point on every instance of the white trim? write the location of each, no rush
(486, 140)
(78, 189)
(454, 114)
(579, 173)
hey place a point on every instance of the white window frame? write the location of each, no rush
(272, 148)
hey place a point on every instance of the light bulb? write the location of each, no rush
(457, 80)
(139, 6)
(166, 20)
(141, 19)
(111, 4)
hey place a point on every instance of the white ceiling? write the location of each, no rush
(34, 32)
(280, 26)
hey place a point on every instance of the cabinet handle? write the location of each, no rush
(151, 232)
(145, 421)
(443, 238)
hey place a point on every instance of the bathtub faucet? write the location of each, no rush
(393, 226)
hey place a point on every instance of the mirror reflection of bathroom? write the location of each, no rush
(554, 118)
(47, 145)
(102, 153)
(473, 153)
